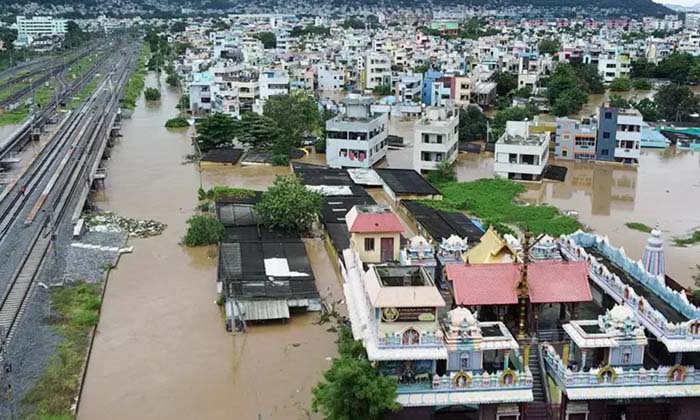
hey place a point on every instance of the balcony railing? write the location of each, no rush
(468, 381)
(617, 376)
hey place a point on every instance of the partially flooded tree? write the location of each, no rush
(352, 388)
(289, 205)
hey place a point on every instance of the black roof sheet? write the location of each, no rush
(225, 155)
(322, 175)
(441, 224)
(406, 181)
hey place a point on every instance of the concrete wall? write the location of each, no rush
(357, 241)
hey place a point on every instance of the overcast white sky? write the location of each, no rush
(681, 2)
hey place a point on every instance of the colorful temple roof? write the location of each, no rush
(491, 249)
(494, 284)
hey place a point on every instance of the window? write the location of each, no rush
(606, 134)
(464, 361)
(626, 355)
(410, 337)
(564, 153)
(369, 244)
(604, 152)
(608, 115)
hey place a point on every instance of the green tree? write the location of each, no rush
(215, 130)
(7, 36)
(617, 101)
(549, 46)
(203, 230)
(172, 79)
(295, 114)
(353, 22)
(648, 109)
(589, 78)
(676, 102)
(523, 92)
(268, 39)
(382, 90)
(151, 94)
(257, 131)
(569, 101)
(289, 205)
(620, 84)
(472, 124)
(642, 68)
(444, 172)
(678, 67)
(506, 83)
(641, 84)
(74, 36)
(352, 388)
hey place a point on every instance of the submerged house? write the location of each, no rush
(262, 274)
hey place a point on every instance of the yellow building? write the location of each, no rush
(375, 233)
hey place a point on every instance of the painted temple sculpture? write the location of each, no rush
(565, 328)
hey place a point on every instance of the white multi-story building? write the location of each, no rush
(378, 70)
(201, 93)
(692, 21)
(40, 25)
(519, 154)
(273, 82)
(436, 138)
(329, 80)
(628, 136)
(358, 137)
(30, 29)
(614, 63)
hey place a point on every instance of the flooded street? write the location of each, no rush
(161, 350)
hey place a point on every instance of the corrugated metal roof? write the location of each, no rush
(260, 310)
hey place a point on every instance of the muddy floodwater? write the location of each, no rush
(161, 350)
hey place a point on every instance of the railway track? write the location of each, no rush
(67, 164)
(44, 75)
(66, 91)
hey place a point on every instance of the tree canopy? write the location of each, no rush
(215, 130)
(498, 125)
(295, 114)
(549, 46)
(568, 87)
(676, 103)
(506, 83)
(289, 205)
(472, 124)
(678, 67)
(268, 39)
(74, 36)
(352, 388)
(620, 84)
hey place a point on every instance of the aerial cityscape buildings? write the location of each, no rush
(284, 210)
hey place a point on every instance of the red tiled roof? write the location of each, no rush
(376, 223)
(494, 284)
(484, 284)
(559, 282)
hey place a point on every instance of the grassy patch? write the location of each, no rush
(77, 308)
(84, 93)
(692, 239)
(41, 97)
(137, 80)
(177, 122)
(495, 202)
(639, 226)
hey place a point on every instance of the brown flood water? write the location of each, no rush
(161, 350)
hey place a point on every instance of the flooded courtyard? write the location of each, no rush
(161, 349)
